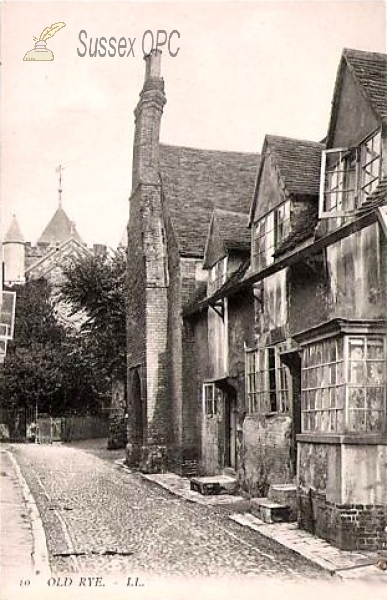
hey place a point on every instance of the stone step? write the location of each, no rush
(214, 485)
(286, 494)
(269, 511)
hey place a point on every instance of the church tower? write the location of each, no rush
(14, 254)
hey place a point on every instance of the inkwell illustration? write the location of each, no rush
(41, 52)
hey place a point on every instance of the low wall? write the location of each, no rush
(83, 428)
(342, 492)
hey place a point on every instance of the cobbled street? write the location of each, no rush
(101, 518)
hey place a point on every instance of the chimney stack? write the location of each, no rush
(153, 64)
(148, 115)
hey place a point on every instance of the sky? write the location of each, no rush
(243, 69)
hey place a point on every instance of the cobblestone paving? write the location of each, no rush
(101, 518)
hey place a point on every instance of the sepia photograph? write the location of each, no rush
(193, 300)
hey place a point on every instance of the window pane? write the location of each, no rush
(322, 394)
(375, 421)
(375, 398)
(375, 349)
(356, 398)
(375, 372)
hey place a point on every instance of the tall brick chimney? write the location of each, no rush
(149, 420)
(148, 115)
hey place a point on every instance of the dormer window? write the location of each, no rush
(348, 177)
(270, 232)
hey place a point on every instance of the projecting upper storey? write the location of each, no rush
(301, 184)
(354, 167)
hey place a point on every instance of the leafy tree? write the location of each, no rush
(45, 366)
(95, 286)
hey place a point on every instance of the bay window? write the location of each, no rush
(344, 385)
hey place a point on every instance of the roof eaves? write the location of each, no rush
(258, 181)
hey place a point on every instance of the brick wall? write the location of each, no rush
(347, 526)
(181, 359)
(136, 316)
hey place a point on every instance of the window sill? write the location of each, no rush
(347, 439)
(268, 415)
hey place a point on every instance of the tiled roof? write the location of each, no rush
(54, 257)
(59, 229)
(377, 198)
(14, 233)
(301, 232)
(196, 181)
(229, 231)
(298, 163)
(236, 277)
(233, 228)
(370, 69)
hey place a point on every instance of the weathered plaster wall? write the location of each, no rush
(354, 117)
(271, 193)
(358, 275)
(266, 452)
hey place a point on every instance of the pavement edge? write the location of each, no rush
(40, 554)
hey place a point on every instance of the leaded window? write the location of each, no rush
(348, 177)
(366, 384)
(344, 385)
(267, 381)
(323, 389)
(270, 231)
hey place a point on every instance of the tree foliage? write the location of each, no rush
(45, 367)
(95, 286)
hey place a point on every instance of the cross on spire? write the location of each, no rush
(60, 190)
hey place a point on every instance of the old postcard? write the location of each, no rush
(193, 323)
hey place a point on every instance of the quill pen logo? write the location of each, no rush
(41, 52)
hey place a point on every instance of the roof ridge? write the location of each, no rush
(365, 52)
(269, 136)
(232, 212)
(196, 149)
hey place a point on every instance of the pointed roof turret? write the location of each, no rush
(59, 229)
(14, 234)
